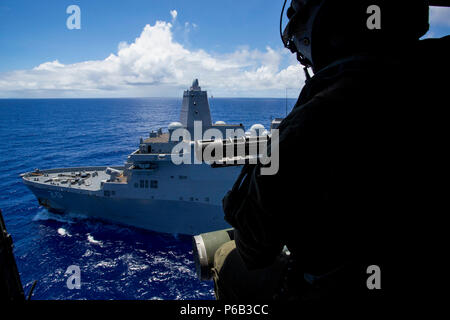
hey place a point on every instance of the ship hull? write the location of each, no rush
(168, 216)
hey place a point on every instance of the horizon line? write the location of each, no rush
(180, 98)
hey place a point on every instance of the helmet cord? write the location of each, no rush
(281, 21)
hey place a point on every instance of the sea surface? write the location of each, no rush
(116, 261)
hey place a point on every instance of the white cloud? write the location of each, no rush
(156, 65)
(174, 14)
(440, 16)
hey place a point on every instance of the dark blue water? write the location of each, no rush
(116, 262)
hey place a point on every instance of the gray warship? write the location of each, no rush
(149, 191)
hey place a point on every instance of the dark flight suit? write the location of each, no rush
(358, 155)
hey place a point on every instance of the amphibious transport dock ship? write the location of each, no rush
(150, 191)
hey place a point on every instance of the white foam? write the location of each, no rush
(44, 214)
(137, 267)
(106, 264)
(63, 232)
(93, 241)
(88, 253)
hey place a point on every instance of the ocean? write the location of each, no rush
(116, 261)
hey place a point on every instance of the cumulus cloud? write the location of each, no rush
(157, 65)
(174, 14)
(440, 16)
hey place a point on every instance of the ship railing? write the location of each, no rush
(74, 169)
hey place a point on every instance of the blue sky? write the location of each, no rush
(239, 41)
(32, 32)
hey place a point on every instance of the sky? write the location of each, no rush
(150, 48)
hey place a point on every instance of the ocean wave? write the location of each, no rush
(117, 262)
(91, 239)
(63, 232)
(43, 215)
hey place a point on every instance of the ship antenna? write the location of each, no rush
(210, 98)
(286, 101)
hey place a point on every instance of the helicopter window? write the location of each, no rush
(154, 184)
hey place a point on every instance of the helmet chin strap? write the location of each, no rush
(305, 65)
(307, 75)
